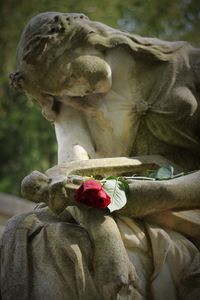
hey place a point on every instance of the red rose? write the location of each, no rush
(92, 194)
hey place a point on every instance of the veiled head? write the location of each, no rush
(61, 53)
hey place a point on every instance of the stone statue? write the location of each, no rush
(110, 94)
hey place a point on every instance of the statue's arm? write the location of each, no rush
(149, 197)
(74, 141)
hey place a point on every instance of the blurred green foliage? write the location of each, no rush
(27, 140)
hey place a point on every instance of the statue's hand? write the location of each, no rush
(88, 74)
(58, 199)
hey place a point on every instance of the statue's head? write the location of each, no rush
(58, 53)
(35, 186)
(55, 55)
(45, 48)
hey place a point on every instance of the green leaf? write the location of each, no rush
(111, 177)
(122, 181)
(117, 194)
(163, 173)
(123, 184)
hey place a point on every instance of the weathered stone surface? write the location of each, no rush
(150, 101)
(109, 94)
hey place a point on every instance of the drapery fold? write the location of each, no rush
(47, 257)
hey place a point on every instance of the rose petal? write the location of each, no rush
(91, 184)
(92, 194)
